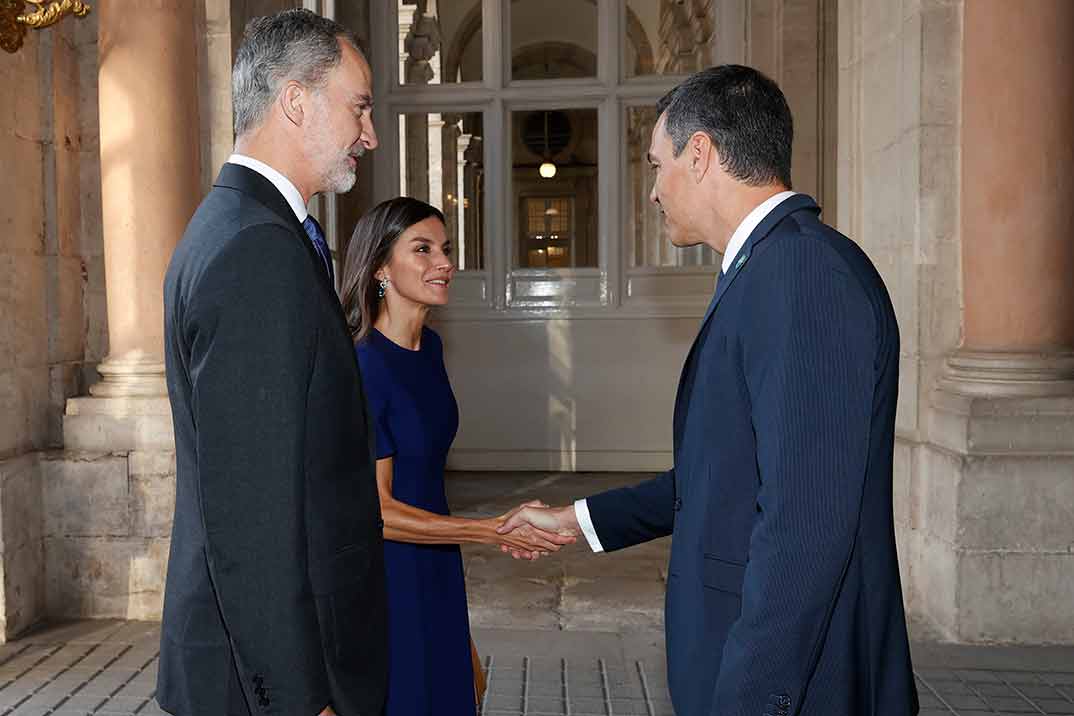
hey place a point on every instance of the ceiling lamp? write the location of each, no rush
(547, 169)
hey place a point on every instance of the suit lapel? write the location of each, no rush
(759, 234)
(249, 182)
(682, 398)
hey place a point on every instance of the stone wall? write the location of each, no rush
(25, 133)
(787, 40)
(983, 483)
(899, 95)
(92, 236)
(44, 298)
(106, 532)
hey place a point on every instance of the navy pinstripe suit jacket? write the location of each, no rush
(783, 592)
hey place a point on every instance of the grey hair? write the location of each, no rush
(290, 45)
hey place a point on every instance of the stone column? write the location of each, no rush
(1017, 200)
(150, 171)
(997, 472)
(118, 468)
(149, 176)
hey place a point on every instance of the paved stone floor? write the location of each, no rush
(572, 634)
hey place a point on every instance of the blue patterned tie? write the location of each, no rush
(313, 229)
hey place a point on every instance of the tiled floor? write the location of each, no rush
(981, 691)
(82, 668)
(109, 668)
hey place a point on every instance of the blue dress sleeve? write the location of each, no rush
(376, 381)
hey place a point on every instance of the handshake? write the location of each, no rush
(533, 529)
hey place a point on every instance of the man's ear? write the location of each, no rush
(293, 102)
(702, 154)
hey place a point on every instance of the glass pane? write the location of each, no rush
(647, 245)
(553, 39)
(439, 42)
(668, 37)
(554, 180)
(441, 161)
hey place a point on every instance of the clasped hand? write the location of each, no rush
(532, 530)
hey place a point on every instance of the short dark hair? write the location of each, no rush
(745, 115)
(370, 248)
(292, 44)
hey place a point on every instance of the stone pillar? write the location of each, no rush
(109, 497)
(149, 176)
(1017, 200)
(1002, 482)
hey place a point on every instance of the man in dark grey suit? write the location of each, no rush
(275, 599)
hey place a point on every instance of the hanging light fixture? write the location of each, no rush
(547, 168)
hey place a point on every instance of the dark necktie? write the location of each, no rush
(313, 229)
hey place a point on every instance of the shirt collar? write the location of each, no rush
(755, 217)
(282, 183)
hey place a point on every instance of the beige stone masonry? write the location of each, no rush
(22, 597)
(118, 424)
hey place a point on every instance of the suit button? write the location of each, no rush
(259, 679)
(677, 505)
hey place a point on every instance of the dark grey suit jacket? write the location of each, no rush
(275, 599)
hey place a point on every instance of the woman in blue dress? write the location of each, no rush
(398, 266)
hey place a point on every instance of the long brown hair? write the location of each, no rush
(371, 245)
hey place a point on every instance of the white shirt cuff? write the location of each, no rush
(581, 511)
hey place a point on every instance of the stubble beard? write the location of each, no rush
(337, 176)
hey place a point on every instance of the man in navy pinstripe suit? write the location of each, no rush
(783, 592)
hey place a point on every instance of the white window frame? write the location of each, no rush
(500, 290)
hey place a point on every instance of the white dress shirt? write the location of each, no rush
(738, 240)
(752, 220)
(282, 183)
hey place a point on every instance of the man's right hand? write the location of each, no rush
(555, 520)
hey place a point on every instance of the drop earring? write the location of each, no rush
(382, 288)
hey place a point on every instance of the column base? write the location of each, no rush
(1007, 374)
(135, 376)
(118, 424)
(988, 531)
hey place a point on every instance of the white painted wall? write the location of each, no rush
(565, 394)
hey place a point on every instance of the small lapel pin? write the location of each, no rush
(741, 260)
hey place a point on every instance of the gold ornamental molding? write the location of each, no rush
(14, 22)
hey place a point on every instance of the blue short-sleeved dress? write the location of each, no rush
(416, 417)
